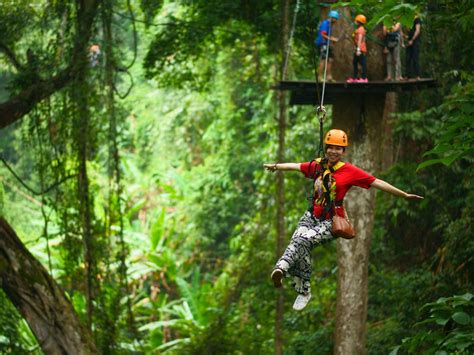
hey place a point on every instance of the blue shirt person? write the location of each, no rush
(323, 43)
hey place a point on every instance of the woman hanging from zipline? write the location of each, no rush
(332, 179)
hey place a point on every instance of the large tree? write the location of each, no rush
(39, 299)
(365, 118)
(28, 285)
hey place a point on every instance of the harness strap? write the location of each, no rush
(319, 170)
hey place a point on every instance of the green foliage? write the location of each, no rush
(198, 30)
(189, 224)
(15, 336)
(187, 316)
(2, 199)
(455, 140)
(450, 328)
(150, 9)
(384, 12)
(13, 16)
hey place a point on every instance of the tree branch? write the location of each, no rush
(11, 56)
(24, 102)
(20, 105)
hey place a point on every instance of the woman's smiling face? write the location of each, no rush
(334, 153)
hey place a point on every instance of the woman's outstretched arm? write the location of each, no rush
(282, 166)
(385, 186)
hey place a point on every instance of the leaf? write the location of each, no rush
(157, 230)
(395, 350)
(159, 324)
(442, 321)
(461, 318)
(172, 343)
(451, 159)
(467, 296)
(427, 163)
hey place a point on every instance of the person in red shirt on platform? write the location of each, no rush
(360, 51)
(332, 179)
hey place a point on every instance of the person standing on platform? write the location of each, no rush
(393, 42)
(360, 51)
(322, 42)
(413, 50)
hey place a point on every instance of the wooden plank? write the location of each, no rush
(303, 92)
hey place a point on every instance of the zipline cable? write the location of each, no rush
(290, 40)
(321, 110)
(313, 52)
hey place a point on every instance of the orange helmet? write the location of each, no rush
(361, 19)
(336, 137)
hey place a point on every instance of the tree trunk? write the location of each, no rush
(365, 118)
(280, 183)
(361, 117)
(39, 299)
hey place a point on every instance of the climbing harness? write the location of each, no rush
(324, 190)
(392, 40)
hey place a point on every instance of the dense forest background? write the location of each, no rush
(135, 178)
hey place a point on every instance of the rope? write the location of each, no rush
(34, 192)
(313, 51)
(290, 40)
(321, 110)
(124, 70)
(321, 105)
(135, 36)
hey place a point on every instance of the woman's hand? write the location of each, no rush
(413, 197)
(282, 167)
(270, 167)
(385, 186)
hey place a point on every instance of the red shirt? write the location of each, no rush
(346, 176)
(360, 32)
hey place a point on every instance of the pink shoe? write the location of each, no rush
(362, 80)
(351, 80)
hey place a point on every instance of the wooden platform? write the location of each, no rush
(303, 92)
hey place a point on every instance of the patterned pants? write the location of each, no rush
(296, 260)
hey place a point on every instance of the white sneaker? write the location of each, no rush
(277, 276)
(301, 302)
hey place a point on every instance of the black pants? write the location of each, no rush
(309, 233)
(413, 60)
(355, 62)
